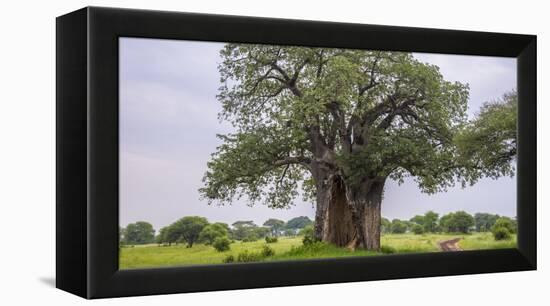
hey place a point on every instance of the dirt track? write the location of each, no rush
(450, 245)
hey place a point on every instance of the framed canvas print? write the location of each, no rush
(205, 152)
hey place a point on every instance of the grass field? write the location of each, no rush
(291, 248)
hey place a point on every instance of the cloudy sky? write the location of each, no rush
(168, 123)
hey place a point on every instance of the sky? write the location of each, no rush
(168, 122)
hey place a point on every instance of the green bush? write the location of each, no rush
(271, 239)
(308, 249)
(229, 259)
(267, 251)
(417, 229)
(308, 234)
(387, 249)
(505, 222)
(398, 226)
(246, 256)
(212, 231)
(251, 238)
(501, 233)
(221, 244)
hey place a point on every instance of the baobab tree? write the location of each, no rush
(336, 123)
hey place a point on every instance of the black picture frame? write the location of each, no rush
(87, 151)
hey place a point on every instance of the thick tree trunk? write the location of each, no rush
(340, 228)
(324, 197)
(365, 207)
(349, 217)
(373, 217)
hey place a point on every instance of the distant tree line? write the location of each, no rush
(454, 222)
(195, 229)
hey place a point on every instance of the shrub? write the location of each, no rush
(308, 230)
(246, 256)
(417, 229)
(221, 244)
(308, 234)
(307, 240)
(267, 251)
(457, 222)
(307, 250)
(271, 239)
(398, 227)
(251, 238)
(505, 222)
(229, 259)
(387, 249)
(501, 233)
(212, 231)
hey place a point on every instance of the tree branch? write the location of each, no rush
(293, 160)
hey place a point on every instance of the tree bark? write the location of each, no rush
(324, 197)
(365, 202)
(340, 228)
(373, 217)
(347, 216)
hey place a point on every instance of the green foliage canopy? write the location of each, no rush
(487, 145)
(459, 221)
(398, 226)
(386, 226)
(506, 223)
(370, 114)
(140, 232)
(221, 244)
(275, 225)
(484, 221)
(187, 229)
(430, 222)
(212, 231)
(298, 222)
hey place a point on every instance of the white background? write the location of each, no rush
(27, 152)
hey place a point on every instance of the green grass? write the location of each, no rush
(288, 248)
(485, 241)
(156, 256)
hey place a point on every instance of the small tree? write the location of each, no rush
(242, 230)
(212, 231)
(501, 233)
(261, 231)
(308, 234)
(188, 229)
(140, 232)
(418, 229)
(173, 234)
(459, 221)
(506, 223)
(385, 225)
(484, 221)
(430, 221)
(289, 232)
(275, 225)
(162, 237)
(398, 226)
(418, 219)
(271, 239)
(221, 244)
(298, 222)
(267, 251)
